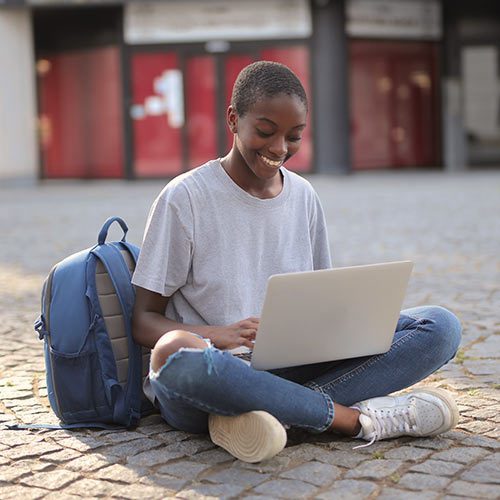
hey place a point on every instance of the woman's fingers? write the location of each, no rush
(250, 321)
(246, 342)
(249, 333)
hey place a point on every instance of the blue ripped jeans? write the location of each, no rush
(193, 383)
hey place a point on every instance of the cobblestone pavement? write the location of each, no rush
(448, 224)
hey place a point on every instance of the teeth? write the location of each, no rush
(272, 163)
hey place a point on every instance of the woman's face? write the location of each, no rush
(269, 133)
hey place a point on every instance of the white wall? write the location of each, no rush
(18, 143)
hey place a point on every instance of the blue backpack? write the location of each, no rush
(94, 367)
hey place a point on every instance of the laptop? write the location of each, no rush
(315, 316)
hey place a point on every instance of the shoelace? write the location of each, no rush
(388, 422)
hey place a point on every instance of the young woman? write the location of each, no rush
(213, 237)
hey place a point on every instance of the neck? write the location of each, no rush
(237, 169)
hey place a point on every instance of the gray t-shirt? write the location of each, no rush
(211, 246)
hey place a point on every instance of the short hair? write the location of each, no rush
(264, 79)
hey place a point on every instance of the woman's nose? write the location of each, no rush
(278, 147)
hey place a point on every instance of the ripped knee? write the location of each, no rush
(170, 343)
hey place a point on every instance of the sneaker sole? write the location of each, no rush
(250, 437)
(448, 400)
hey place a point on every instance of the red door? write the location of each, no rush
(81, 114)
(201, 113)
(157, 114)
(393, 104)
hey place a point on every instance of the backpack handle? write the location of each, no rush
(103, 234)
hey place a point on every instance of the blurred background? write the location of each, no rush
(138, 89)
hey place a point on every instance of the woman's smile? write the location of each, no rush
(269, 162)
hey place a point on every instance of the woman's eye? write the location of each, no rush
(263, 134)
(294, 139)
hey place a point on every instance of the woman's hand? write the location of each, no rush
(239, 334)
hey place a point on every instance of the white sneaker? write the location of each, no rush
(425, 412)
(251, 437)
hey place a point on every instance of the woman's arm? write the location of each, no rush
(149, 324)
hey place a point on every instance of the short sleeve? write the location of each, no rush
(319, 236)
(166, 253)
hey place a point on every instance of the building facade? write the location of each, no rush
(108, 89)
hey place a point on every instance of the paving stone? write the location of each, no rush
(82, 444)
(474, 490)
(274, 465)
(121, 436)
(408, 453)
(460, 454)
(21, 492)
(342, 458)
(215, 456)
(90, 487)
(62, 495)
(154, 457)
(18, 438)
(259, 497)
(184, 469)
(483, 413)
(348, 489)
(436, 443)
(170, 483)
(129, 449)
(374, 469)
(141, 491)
(484, 367)
(481, 441)
(53, 480)
(35, 449)
(120, 473)
(416, 481)
(437, 468)
(192, 446)
(204, 491)
(487, 471)
(89, 463)
(302, 452)
(241, 477)
(478, 426)
(316, 473)
(154, 429)
(395, 494)
(34, 465)
(10, 473)
(61, 456)
(494, 434)
(286, 488)
(376, 447)
(172, 437)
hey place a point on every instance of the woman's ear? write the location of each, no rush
(232, 120)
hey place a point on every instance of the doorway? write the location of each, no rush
(394, 104)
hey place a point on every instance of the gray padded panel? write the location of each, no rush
(113, 319)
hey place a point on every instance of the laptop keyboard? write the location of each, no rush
(245, 356)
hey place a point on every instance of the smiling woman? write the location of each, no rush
(267, 115)
(265, 137)
(213, 238)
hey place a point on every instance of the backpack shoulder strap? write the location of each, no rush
(118, 271)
